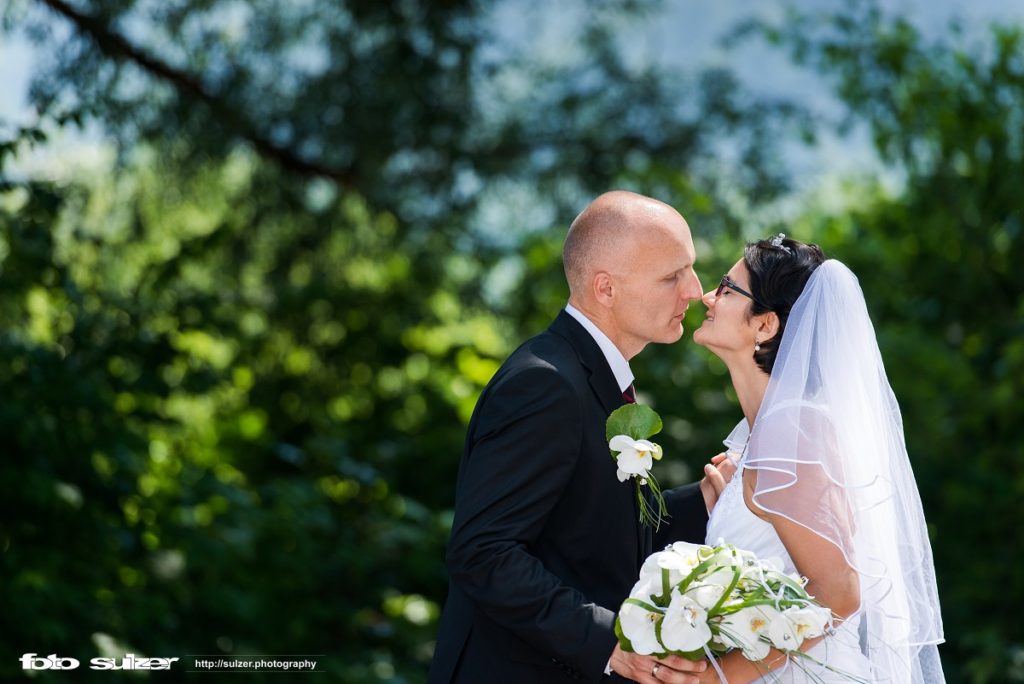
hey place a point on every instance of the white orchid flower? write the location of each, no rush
(756, 571)
(753, 568)
(645, 588)
(744, 628)
(730, 558)
(688, 549)
(635, 456)
(679, 559)
(721, 577)
(791, 627)
(638, 625)
(651, 569)
(685, 627)
(679, 565)
(707, 595)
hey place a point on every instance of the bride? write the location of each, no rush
(824, 482)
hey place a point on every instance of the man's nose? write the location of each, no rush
(692, 289)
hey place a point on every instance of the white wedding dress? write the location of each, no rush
(731, 521)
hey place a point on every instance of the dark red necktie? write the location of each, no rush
(629, 395)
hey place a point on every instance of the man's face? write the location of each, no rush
(656, 283)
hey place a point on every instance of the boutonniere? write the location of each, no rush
(627, 430)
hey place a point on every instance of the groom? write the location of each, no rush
(546, 541)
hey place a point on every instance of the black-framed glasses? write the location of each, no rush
(727, 282)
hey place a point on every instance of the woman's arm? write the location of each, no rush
(831, 581)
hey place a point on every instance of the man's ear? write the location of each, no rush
(769, 326)
(602, 288)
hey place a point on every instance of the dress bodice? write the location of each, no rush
(733, 522)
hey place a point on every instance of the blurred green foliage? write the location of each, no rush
(238, 356)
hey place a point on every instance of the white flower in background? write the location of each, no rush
(635, 456)
(692, 554)
(730, 557)
(744, 628)
(679, 564)
(664, 560)
(707, 595)
(686, 624)
(645, 588)
(723, 577)
(679, 559)
(637, 625)
(791, 627)
(650, 570)
(689, 550)
(756, 569)
(768, 570)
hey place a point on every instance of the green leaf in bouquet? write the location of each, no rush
(787, 581)
(624, 643)
(666, 589)
(727, 594)
(718, 649)
(634, 420)
(691, 655)
(646, 605)
(696, 574)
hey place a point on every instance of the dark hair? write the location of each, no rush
(779, 269)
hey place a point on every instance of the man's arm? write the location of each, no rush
(526, 444)
(690, 505)
(688, 517)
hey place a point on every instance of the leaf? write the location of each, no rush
(690, 655)
(624, 643)
(635, 420)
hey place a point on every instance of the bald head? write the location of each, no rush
(609, 232)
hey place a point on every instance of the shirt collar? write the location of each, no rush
(616, 361)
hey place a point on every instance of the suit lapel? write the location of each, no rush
(603, 382)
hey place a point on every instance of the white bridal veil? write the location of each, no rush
(830, 455)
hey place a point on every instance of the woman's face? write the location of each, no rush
(728, 328)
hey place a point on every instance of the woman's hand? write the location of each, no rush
(716, 475)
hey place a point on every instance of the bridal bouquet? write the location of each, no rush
(697, 601)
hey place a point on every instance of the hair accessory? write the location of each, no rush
(777, 242)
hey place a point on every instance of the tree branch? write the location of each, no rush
(117, 47)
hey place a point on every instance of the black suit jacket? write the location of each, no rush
(546, 541)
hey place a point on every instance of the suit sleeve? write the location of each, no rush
(689, 517)
(522, 455)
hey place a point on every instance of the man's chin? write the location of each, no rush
(674, 334)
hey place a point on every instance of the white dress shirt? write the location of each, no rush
(619, 364)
